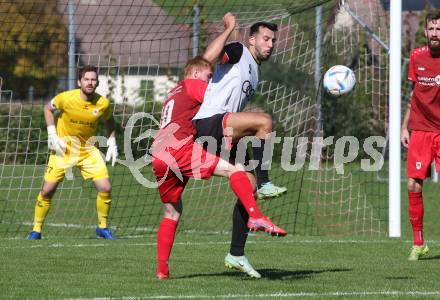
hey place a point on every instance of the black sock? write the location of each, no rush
(262, 175)
(239, 230)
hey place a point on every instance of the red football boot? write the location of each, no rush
(266, 225)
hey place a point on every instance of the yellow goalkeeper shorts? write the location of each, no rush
(89, 161)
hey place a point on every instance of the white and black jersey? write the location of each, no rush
(234, 82)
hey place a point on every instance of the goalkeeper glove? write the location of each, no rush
(112, 151)
(54, 141)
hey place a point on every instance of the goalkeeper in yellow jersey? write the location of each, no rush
(72, 144)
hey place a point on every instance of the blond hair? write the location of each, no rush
(195, 63)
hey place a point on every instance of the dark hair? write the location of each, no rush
(85, 69)
(196, 62)
(435, 15)
(256, 27)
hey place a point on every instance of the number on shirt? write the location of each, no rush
(167, 114)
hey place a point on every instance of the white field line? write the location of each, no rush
(36, 244)
(66, 225)
(278, 295)
(140, 229)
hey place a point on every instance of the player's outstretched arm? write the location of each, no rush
(215, 48)
(53, 140)
(112, 150)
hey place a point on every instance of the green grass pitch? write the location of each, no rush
(293, 267)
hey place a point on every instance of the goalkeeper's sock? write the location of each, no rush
(103, 204)
(242, 187)
(165, 240)
(261, 170)
(416, 212)
(42, 207)
(239, 230)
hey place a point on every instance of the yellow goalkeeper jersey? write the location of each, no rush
(79, 118)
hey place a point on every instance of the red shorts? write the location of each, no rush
(423, 148)
(173, 168)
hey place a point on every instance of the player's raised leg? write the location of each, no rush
(259, 125)
(243, 189)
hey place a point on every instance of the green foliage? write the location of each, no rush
(358, 112)
(146, 90)
(122, 114)
(355, 114)
(350, 115)
(23, 134)
(420, 35)
(33, 52)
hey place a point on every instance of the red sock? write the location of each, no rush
(165, 240)
(242, 187)
(416, 211)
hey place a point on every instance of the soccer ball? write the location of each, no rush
(339, 80)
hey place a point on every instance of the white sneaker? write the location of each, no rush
(241, 263)
(269, 190)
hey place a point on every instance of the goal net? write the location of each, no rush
(140, 47)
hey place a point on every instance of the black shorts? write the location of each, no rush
(214, 127)
(211, 126)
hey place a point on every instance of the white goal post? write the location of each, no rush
(394, 109)
(394, 117)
